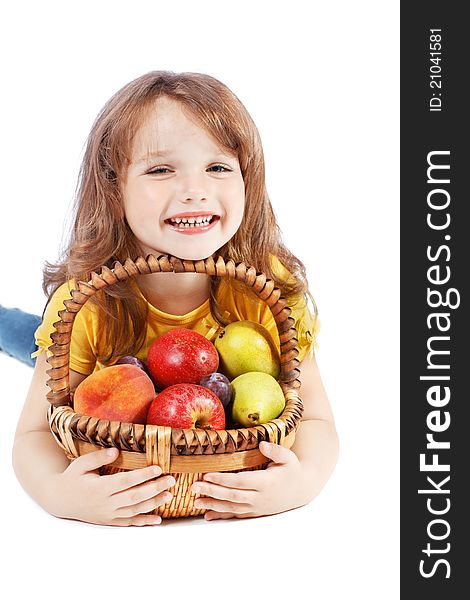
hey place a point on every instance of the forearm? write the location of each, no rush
(316, 446)
(37, 458)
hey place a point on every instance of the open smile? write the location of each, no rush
(191, 225)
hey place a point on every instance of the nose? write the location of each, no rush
(193, 189)
(195, 197)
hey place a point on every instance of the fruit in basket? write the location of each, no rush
(245, 346)
(181, 356)
(186, 406)
(257, 398)
(118, 393)
(131, 360)
(220, 385)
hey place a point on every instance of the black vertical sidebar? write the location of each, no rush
(434, 331)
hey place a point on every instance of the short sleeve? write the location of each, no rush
(82, 356)
(306, 324)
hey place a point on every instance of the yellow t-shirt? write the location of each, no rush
(236, 303)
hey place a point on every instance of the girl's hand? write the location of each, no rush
(118, 499)
(254, 493)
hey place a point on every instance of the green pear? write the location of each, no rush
(257, 398)
(245, 346)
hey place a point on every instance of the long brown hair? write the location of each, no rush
(100, 234)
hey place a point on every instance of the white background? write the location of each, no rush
(320, 80)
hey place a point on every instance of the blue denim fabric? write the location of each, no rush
(17, 334)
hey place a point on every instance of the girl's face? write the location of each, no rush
(183, 195)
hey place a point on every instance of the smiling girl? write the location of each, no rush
(173, 165)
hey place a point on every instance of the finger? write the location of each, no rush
(94, 460)
(212, 515)
(142, 492)
(127, 479)
(138, 520)
(224, 493)
(248, 480)
(144, 507)
(222, 506)
(278, 454)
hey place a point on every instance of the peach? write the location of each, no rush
(117, 393)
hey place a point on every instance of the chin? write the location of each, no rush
(193, 251)
(194, 255)
(189, 247)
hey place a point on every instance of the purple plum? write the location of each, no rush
(132, 360)
(220, 385)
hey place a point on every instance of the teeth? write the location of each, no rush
(191, 221)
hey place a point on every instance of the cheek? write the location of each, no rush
(235, 204)
(139, 202)
(128, 199)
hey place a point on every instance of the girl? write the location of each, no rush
(173, 165)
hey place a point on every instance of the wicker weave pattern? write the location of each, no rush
(74, 432)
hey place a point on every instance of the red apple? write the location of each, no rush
(186, 406)
(181, 356)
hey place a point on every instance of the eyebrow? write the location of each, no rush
(163, 153)
(153, 155)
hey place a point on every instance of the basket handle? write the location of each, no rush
(59, 382)
(158, 446)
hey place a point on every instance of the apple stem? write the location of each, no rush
(199, 425)
(253, 417)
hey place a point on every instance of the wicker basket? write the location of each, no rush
(184, 453)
